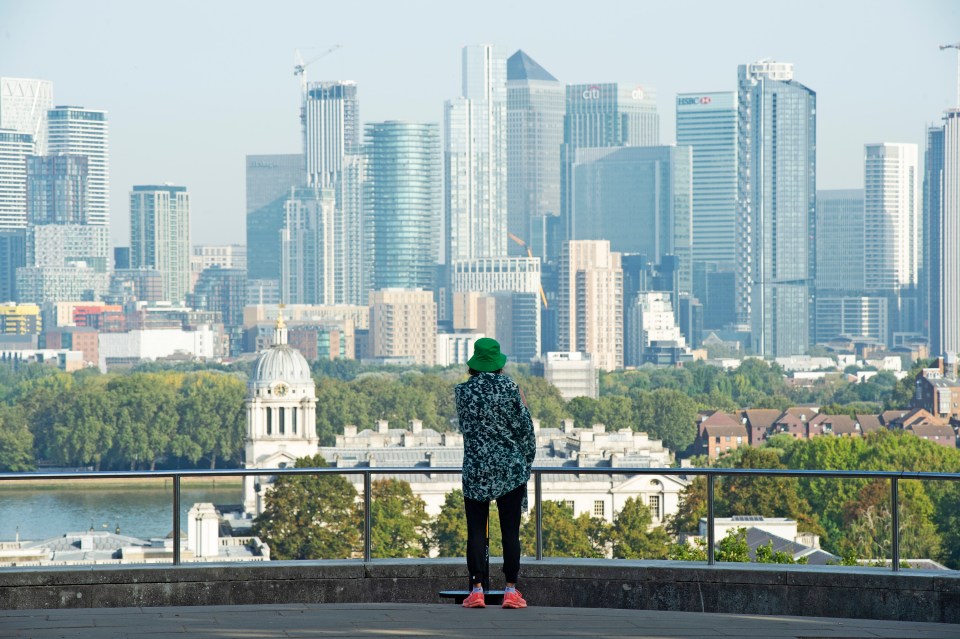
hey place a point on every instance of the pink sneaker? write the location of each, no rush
(514, 599)
(475, 600)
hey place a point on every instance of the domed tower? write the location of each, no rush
(281, 415)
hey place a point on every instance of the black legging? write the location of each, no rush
(478, 512)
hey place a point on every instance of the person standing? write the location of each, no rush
(499, 446)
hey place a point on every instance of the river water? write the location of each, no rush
(139, 512)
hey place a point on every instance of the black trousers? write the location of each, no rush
(478, 514)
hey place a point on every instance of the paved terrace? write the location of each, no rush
(435, 620)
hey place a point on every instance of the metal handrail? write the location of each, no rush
(537, 472)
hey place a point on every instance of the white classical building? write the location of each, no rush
(281, 427)
(599, 495)
(281, 415)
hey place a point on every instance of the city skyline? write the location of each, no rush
(198, 137)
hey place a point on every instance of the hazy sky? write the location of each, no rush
(191, 88)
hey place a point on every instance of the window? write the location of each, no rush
(653, 503)
(269, 421)
(598, 508)
(569, 504)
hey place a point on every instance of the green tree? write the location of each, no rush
(631, 534)
(669, 415)
(733, 547)
(767, 496)
(563, 535)
(83, 427)
(16, 441)
(398, 521)
(448, 532)
(212, 421)
(310, 516)
(145, 417)
(692, 507)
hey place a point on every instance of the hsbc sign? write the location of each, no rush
(697, 100)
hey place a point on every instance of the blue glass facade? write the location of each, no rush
(269, 181)
(707, 123)
(776, 207)
(402, 203)
(638, 198)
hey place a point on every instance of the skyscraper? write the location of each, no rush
(948, 273)
(603, 115)
(307, 251)
(24, 104)
(707, 123)
(332, 151)
(269, 181)
(839, 251)
(637, 198)
(590, 309)
(891, 217)
(402, 203)
(932, 219)
(80, 131)
(14, 149)
(535, 108)
(331, 129)
(475, 158)
(57, 189)
(160, 235)
(776, 204)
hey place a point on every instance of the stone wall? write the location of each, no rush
(761, 589)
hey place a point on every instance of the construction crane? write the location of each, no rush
(516, 239)
(300, 67)
(956, 46)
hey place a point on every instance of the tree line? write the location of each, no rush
(187, 416)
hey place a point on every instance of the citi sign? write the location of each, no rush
(699, 100)
(591, 93)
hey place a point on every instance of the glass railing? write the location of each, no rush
(176, 477)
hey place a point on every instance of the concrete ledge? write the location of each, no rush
(758, 589)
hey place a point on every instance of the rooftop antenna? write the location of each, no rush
(956, 46)
(300, 67)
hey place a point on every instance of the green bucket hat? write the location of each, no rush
(486, 356)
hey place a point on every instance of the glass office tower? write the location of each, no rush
(402, 203)
(603, 115)
(932, 216)
(80, 131)
(776, 205)
(270, 179)
(948, 229)
(707, 123)
(637, 198)
(475, 158)
(160, 235)
(535, 108)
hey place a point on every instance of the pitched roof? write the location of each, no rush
(761, 417)
(869, 423)
(725, 430)
(719, 418)
(890, 416)
(805, 413)
(841, 425)
(520, 66)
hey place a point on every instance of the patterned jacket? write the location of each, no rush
(498, 439)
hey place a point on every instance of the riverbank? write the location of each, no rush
(133, 483)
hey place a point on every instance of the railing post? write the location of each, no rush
(538, 504)
(367, 501)
(895, 521)
(176, 520)
(711, 533)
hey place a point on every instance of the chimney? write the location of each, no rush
(203, 530)
(350, 430)
(382, 426)
(567, 425)
(536, 424)
(416, 426)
